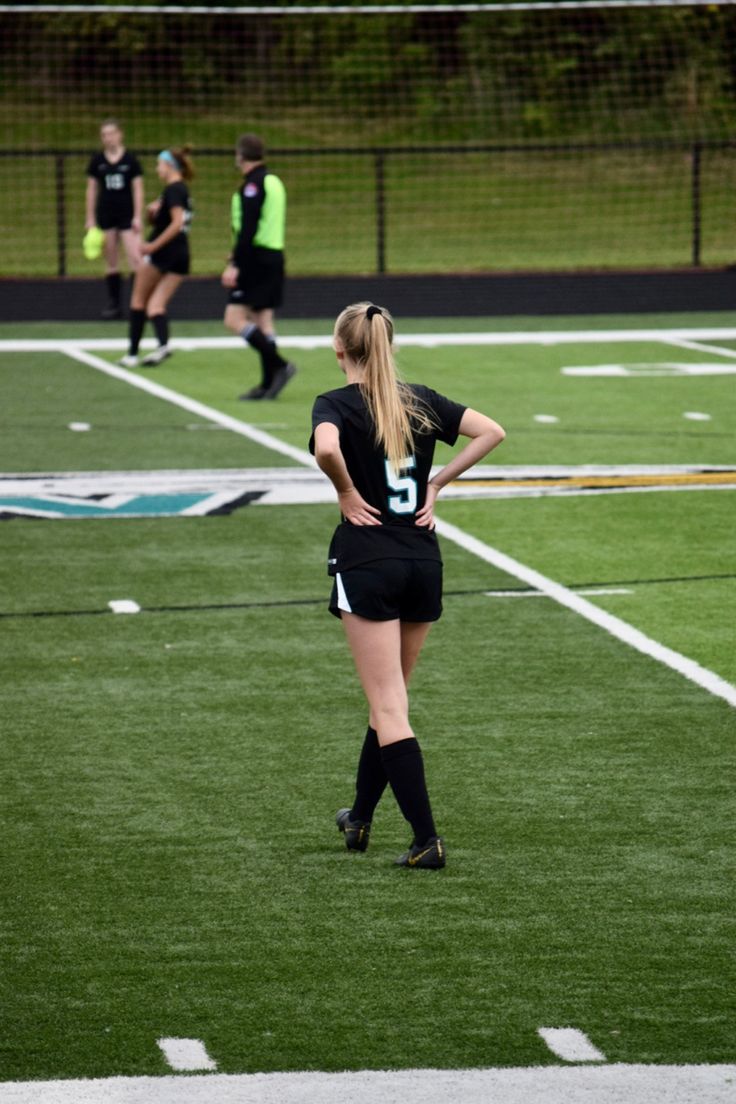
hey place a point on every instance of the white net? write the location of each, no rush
(412, 139)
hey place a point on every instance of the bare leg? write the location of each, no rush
(376, 649)
(162, 293)
(132, 243)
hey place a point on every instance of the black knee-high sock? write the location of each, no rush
(113, 280)
(404, 766)
(160, 324)
(269, 354)
(371, 780)
(135, 330)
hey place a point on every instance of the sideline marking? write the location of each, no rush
(570, 1044)
(622, 630)
(541, 594)
(604, 1084)
(186, 1054)
(124, 605)
(684, 342)
(426, 340)
(655, 368)
(192, 405)
(691, 670)
(697, 416)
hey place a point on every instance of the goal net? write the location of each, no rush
(411, 138)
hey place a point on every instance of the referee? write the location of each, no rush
(254, 275)
(374, 438)
(114, 203)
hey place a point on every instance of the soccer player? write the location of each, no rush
(254, 275)
(114, 202)
(165, 256)
(374, 438)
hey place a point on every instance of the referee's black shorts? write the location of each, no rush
(260, 280)
(390, 590)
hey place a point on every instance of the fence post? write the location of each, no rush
(696, 200)
(60, 216)
(379, 162)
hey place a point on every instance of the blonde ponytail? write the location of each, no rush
(365, 332)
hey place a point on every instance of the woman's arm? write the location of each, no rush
(330, 459)
(90, 201)
(485, 435)
(175, 227)
(137, 203)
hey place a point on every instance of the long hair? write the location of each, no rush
(183, 156)
(365, 332)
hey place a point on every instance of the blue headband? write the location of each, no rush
(166, 155)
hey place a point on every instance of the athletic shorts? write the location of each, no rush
(112, 221)
(170, 259)
(260, 281)
(390, 590)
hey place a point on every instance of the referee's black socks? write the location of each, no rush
(371, 780)
(265, 346)
(404, 766)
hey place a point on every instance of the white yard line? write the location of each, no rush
(699, 347)
(143, 383)
(691, 670)
(425, 340)
(602, 1084)
(570, 1044)
(186, 1054)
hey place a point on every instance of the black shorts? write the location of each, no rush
(174, 260)
(390, 590)
(114, 222)
(260, 281)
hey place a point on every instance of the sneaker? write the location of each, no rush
(431, 856)
(254, 393)
(157, 356)
(357, 832)
(280, 379)
(128, 361)
(111, 312)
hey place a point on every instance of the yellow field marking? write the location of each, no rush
(663, 480)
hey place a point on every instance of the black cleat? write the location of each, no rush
(280, 379)
(254, 393)
(111, 312)
(357, 832)
(430, 856)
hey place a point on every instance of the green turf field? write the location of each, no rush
(170, 778)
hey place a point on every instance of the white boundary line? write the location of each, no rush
(700, 347)
(701, 676)
(425, 340)
(578, 1084)
(192, 405)
(691, 670)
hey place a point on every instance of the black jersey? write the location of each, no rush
(173, 195)
(115, 187)
(398, 496)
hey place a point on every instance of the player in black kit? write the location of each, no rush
(375, 439)
(114, 203)
(165, 256)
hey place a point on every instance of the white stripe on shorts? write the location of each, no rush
(342, 598)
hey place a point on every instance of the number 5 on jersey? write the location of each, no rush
(405, 500)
